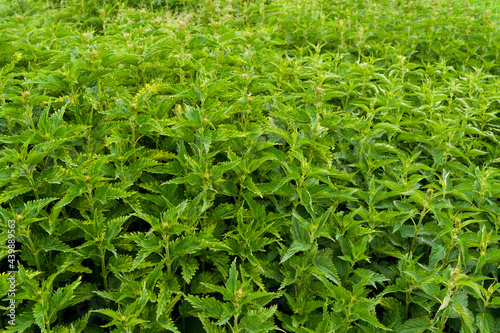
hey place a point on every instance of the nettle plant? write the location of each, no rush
(251, 166)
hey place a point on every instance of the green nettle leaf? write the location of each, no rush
(168, 325)
(466, 317)
(260, 320)
(370, 277)
(189, 268)
(437, 253)
(301, 236)
(307, 202)
(148, 246)
(485, 322)
(415, 325)
(296, 246)
(323, 261)
(362, 313)
(241, 301)
(395, 311)
(63, 297)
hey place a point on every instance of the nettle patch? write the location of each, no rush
(250, 166)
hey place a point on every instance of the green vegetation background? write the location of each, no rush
(251, 166)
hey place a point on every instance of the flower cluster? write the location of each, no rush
(59, 99)
(151, 87)
(17, 57)
(68, 98)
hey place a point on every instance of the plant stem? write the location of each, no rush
(407, 305)
(35, 253)
(104, 271)
(417, 228)
(235, 327)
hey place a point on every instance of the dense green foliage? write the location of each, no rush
(251, 166)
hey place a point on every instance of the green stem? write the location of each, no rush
(35, 253)
(417, 228)
(104, 271)
(235, 327)
(133, 135)
(183, 323)
(407, 305)
(32, 182)
(47, 324)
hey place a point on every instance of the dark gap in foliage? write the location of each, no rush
(138, 225)
(77, 311)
